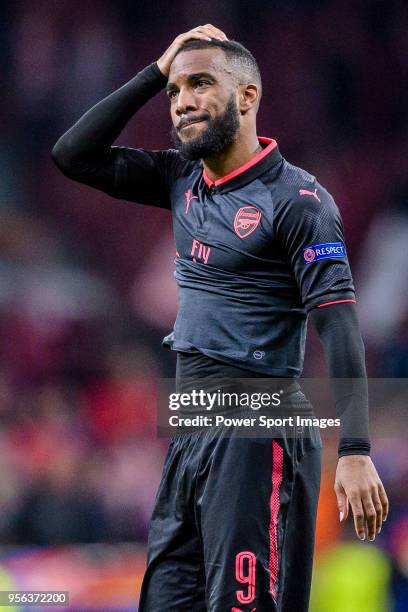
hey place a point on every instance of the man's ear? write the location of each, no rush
(248, 97)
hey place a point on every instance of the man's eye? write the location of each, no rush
(202, 83)
(172, 93)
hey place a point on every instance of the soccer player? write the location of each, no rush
(260, 247)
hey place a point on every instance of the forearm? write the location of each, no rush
(338, 329)
(91, 137)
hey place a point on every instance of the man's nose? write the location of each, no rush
(185, 101)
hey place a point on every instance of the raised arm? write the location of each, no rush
(85, 152)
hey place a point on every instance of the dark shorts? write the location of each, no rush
(233, 525)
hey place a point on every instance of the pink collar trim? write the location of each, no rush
(270, 146)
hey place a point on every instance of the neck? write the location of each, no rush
(238, 154)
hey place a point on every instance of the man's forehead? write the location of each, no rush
(196, 61)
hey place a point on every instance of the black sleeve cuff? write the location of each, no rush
(354, 446)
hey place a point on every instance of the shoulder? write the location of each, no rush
(175, 163)
(167, 164)
(164, 158)
(297, 190)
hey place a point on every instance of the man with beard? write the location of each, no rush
(259, 246)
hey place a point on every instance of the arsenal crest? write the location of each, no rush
(246, 221)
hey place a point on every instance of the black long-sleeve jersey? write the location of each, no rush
(256, 250)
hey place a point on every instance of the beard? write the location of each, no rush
(218, 136)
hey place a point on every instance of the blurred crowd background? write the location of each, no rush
(86, 284)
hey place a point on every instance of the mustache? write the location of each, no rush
(188, 120)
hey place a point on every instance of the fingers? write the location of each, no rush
(213, 32)
(375, 502)
(370, 508)
(378, 510)
(206, 32)
(342, 502)
(370, 515)
(347, 509)
(384, 501)
(358, 480)
(358, 515)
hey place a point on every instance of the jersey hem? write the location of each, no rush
(239, 363)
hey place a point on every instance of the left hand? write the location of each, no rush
(357, 482)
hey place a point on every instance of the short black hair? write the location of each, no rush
(243, 63)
